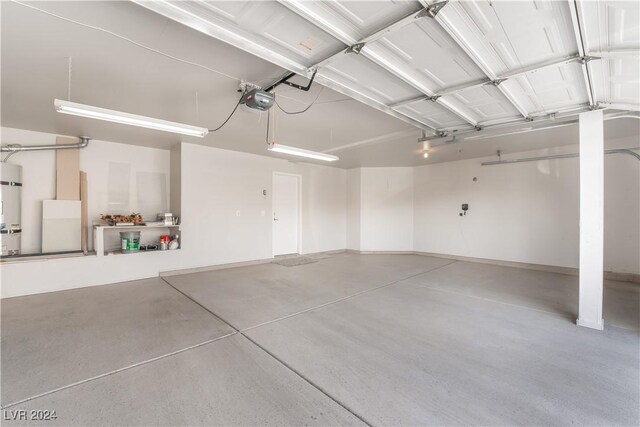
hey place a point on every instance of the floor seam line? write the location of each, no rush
(308, 381)
(307, 310)
(295, 372)
(190, 298)
(115, 371)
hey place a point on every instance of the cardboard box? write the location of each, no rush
(67, 171)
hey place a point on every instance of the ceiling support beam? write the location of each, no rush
(360, 47)
(582, 49)
(559, 118)
(512, 74)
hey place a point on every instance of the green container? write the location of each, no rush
(130, 241)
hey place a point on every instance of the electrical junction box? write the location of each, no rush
(258, 99)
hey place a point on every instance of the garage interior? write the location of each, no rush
(320, 212)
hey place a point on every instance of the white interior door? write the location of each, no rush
(286, 215)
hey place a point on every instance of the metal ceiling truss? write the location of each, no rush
(563, 120)
(560, 117)
(512, 74)
(577, 31)
(359, 47)
(248, 42)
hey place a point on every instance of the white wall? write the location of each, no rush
(384, 197)
(525, 212)
(215, 184)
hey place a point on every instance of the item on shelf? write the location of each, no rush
(123, 220)
(130, 241)
(148, 247)
(173, 244)
(164, 242)
(166, 218)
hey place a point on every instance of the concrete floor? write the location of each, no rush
(350, 339)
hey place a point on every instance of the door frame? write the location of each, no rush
(273, 223)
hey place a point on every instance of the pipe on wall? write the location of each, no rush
(16, 148)
(560, 156)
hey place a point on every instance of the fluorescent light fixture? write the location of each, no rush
(98, 113)
(284, 149)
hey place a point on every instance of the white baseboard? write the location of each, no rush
(354, 251)
(608, 275)
(213, 267)
(241, 263)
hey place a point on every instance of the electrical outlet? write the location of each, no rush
(237, 213)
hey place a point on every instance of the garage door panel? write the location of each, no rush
(616, 79)
(435, 115)
(613, 26)
(521, 90)
(354, 20)
(276, 23)
(511, 35)
(296, 37)
(610, 25)
(486, 102)
(468, 43)
(255, 26)
(368, 17)
(362, 72)
(426, 48)
(555, 87)
(536, 30)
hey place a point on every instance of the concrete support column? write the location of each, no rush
(591, 219)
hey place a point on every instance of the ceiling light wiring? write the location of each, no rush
(230, 115)
(304, 110)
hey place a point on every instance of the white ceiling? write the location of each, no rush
(466, 45)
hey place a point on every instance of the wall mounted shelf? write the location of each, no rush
(99, 230)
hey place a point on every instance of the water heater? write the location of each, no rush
(10, 201)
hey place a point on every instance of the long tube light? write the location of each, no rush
(98, 113)
(285, 149)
